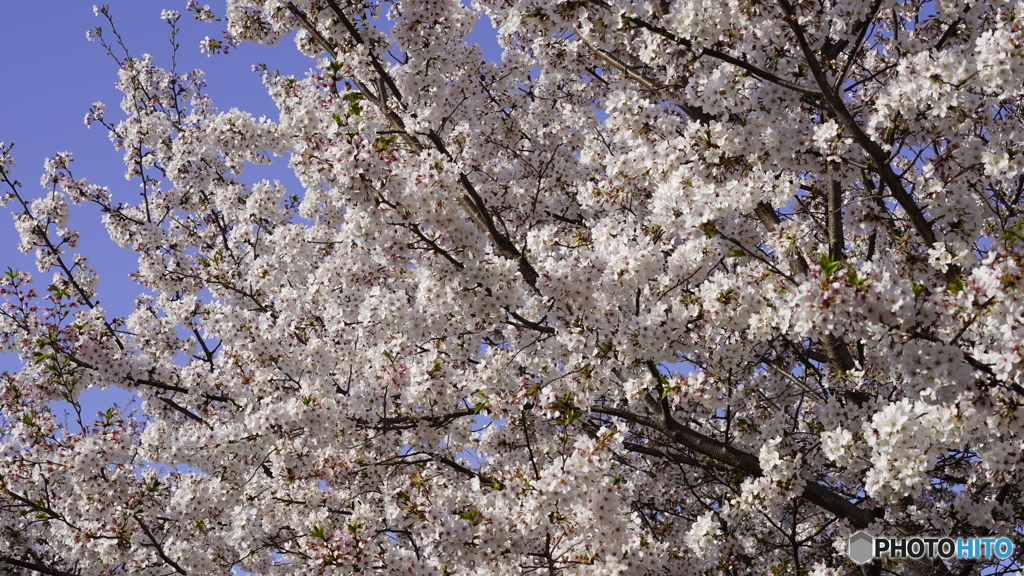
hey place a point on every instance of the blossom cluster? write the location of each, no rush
(670, 287)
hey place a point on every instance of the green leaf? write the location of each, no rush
(957, 285)
(727, 296)
(471, 516)
(1014, 234)
(855, 280)
(434, 369)
(830, 266)
(494, 484)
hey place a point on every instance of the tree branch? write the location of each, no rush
(836, 349)
(472, 202)
(746, 463)
(743, 64)
(878, 156)
(35, 567)
(159, 548)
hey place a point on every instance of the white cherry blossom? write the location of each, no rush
(670, 287)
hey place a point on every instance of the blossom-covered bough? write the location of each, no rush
(676, 287)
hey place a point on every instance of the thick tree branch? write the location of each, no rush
(35, 567)
(748, 464)
(836, 240)
(770, 220)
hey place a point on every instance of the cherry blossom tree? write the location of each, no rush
(675, 287)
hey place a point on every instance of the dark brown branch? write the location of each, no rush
(695, 112)
(530, 324)
(746, 463)
(838, 352)
(434, 247)
(466, 471)
(836, 240)
(625, 69)
(948, 34)
(477, 209)
(859, 43)
(309, 27)
(159, 548)
(675, 457)
(433, 421)
(835, 348)
(206, 350)
(578, 221)
(42, 232)
(529, 446)
(34, 566)
(155, 384)
(152, 383)
(374, 60)
(329, 47)
(182, 409)
(770, 219)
